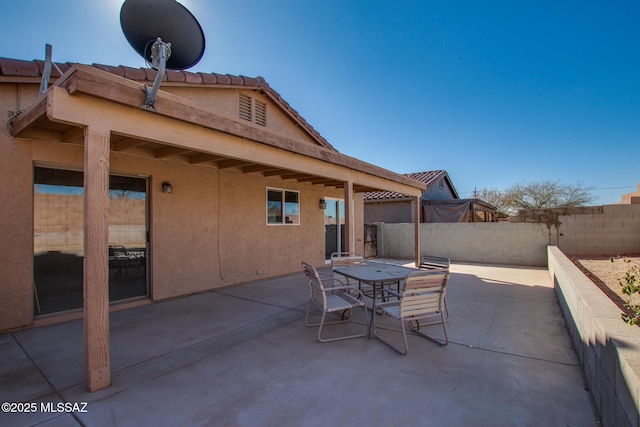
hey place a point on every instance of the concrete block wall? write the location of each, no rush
(602, 231)
(590, 232)
(59, 222)
(493, 243)
(608, 348)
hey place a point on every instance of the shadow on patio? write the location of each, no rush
(242, 356)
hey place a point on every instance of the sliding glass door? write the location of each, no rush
(59, 233)
(333, 227)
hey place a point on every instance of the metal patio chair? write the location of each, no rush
(437, 263)
(346, 259)
(421, 298)
(336, 299)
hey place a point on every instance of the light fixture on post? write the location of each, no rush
(323, 204)
(167, 187)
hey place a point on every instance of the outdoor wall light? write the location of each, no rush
(167, 187)
(323, 204)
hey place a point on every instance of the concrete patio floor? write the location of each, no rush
(242, 356)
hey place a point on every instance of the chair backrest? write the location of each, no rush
(346, 259)
(431, 262)
(316, 288)
(423, 293)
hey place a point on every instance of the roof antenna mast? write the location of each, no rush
(46, 73)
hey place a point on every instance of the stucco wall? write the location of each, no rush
(210, 232)
(16, 215)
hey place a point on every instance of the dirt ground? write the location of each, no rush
(607, 275)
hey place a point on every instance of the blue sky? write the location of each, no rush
(494, 92)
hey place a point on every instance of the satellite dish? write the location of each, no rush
(144, 21)
(165, 34)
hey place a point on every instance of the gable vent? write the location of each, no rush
(245, 107)
(252, 110)
(261, 113)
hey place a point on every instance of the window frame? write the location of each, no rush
(283, 206)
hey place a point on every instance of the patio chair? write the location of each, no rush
(437, 263)
(336, 299)
(346, 259)
(421, 298)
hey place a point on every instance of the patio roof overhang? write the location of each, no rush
(188, 132)
(101, 112)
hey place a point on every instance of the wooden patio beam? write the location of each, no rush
(202, 158)
(170, 151)
(96, 258)
(125, 143)
(232, 163)
(275, 172)
(258, 168)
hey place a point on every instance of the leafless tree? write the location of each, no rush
(538, 195)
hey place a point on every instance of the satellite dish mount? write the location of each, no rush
(160, 53)
(176, 39)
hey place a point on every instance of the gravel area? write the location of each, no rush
(607, 275)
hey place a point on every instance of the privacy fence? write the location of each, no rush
(599, 231)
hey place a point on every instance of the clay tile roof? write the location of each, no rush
(224, 79)
(429, 178)
(14, 67)
(208, 78)
(21, 68)
(133, 73)
(193, 78)
(150, 74)
(175, 76)
(250, 81)
(54, 71)
(118, 71)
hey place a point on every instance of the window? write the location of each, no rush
(252, 110)
(283, 207)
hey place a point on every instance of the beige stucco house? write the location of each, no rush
(107, 205)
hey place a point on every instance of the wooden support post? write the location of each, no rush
(349, 218)
(416, 219)
(96, 258)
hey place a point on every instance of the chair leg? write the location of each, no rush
(444, 342)
(388, 343)
(322, 323)
(306, 318)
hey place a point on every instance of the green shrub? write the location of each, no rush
(630, 285)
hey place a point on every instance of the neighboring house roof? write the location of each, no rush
(21, 69)
(429, 178)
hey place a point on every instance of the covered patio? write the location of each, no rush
(242, 356)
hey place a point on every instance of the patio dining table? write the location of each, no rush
(375, 274)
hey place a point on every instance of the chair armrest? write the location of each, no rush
(348, 289)
(326, 279)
